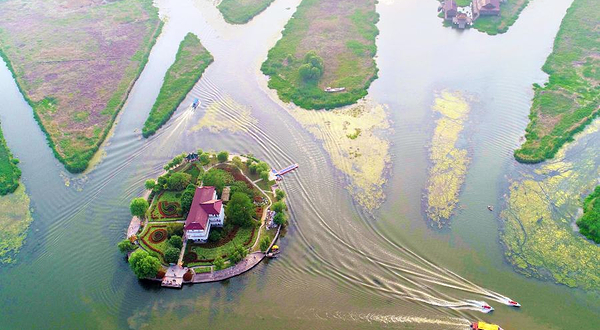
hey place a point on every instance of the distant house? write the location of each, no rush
(461, 20)
(191, 157)
(206, 211)
(449, 9)
(485, 8)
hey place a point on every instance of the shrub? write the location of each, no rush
(219, 263)
(279, 194)
(178, 181)
(279, 207)
(223, 156)
(150, 184)
(204, 158)
(172, 255)
(176, 241)
(126, 246)
(188, 276)
(280, 219)
(175, 229)
(265, 242)
(240, 209)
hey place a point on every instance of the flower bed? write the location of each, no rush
(159, 235)
(169, 209)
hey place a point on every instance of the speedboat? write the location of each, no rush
(512, 303)
(480, 325)
(195, 104)
(486, 308)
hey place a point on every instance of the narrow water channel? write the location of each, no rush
(342, 267)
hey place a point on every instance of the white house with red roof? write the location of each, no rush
(206, 211)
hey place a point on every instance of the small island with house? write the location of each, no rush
(207, 218)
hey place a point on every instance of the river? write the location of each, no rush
(342, 267)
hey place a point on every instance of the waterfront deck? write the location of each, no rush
(241, 267)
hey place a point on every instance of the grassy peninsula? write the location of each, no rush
(570, 99)
(190, 62)
(327, 43)
(242, 11)
(589, 223)
(9, 172)
(509, 12)
(75, 64)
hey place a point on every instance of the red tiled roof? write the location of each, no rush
(449, 4)
(203, 204)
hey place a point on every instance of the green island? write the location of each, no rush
(570, 99)
(242, 11)
(9, 171)
(190, 62)
(589, 223)
(325, 59)
(207, 218)
(496, 19)
(75, 65)
(14, 203)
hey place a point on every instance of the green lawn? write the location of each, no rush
(342, 33)
(571, 98)
(190, 62)
(9, 172)
(240, 238)
(242, 11)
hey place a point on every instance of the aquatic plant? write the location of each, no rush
(448, 161)
(242, 11)
(15, 219)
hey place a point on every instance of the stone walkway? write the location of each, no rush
(243, 266)
(174, 276)
(134, 226)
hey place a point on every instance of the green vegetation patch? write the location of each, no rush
(190, 62)
(15, 219)
(327, 43)
(242, 11)
(9, 172)
(166, 206)
(75, 65)
(242, 236)
(589, 223)
(509, 12)
(571, 98)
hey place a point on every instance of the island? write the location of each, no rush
(488, 16)
(190, 62)
(242, 11)
(324, 58)
(15, 217)
(570, 99)
(75, 63)
(589, 223)
(209, 217)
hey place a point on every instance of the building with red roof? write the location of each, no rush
(485, 8)
(206, 211)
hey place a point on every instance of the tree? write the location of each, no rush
(217, 178)
(162, 181)
(280, 219)
(237, 161)
(150, 184)
(240, 210)
(178, 181)
(279, 194)
(223, 156)
(279, 207)
(253, 168)
(175, 229)
(237, 253)
(204, 158)
(199, 152)
(312, 69)
(265, 242)
(264, 175)
(138, 207)
(126, 246)
(186, 200)
(143, 264)
(176, 241)
(219, 263)
(172, 255)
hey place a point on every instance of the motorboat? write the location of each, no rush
(487, 308)
(512, 303)
(480, 325)
(195, 104)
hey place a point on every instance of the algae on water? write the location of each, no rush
(353, 137)
(15, 219)
(542, 206)
(448, 161)
(226, 115)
